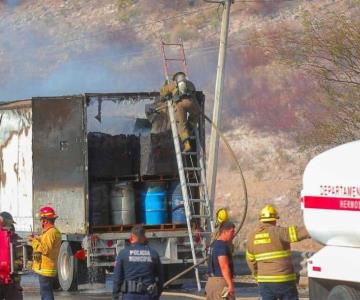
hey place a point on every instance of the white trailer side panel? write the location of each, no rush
(16, 164)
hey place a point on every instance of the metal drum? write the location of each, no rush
(154, 204)
(99, 204)
(122, 203)
(176, 203)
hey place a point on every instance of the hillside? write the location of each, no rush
(56, 47)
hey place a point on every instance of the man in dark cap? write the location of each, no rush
(220, 284)
(12, 289)
(138, 271)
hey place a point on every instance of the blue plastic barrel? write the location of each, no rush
(177, 204)
(154, 204)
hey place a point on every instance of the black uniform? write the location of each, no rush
(138, 273)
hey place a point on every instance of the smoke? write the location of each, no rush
(11, 2)
(30, 67)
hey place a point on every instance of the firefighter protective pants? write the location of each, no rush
(278, 290)
(46, 287)
(182, 109)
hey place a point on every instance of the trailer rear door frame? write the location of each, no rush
(60, 160)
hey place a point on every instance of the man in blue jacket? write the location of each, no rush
(138, 271)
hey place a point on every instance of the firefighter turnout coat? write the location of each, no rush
(47, 246)
(268, 253)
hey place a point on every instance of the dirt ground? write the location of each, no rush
(245, 289)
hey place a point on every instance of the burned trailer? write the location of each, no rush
(103, 166)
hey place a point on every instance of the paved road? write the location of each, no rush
(244, 290)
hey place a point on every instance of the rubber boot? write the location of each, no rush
(187, 146)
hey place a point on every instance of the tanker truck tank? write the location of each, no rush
(331, 196)
(331, 207)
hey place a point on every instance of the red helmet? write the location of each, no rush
(47, 212)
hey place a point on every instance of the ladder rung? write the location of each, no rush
(204, 232)
(194, 184)
(189, 153)
(200, 216)
(192, 169)
(172, 44)
(197, 200)
(174, 59)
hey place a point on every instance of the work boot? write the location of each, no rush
(187, 146)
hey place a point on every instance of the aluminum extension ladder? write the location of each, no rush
(192, 174)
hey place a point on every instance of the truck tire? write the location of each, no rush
(343, 292)
(71, 271)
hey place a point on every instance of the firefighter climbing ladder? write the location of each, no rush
(191, 169)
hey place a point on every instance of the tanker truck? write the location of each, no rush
(331, 208)
(96, 159)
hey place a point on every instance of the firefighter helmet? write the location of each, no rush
(7, 218)
(268, 214)
(222, 216)
(179, 76)
(47, 212)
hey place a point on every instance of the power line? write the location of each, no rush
(148, 53)
(100, 33)
(117, 30)
(123, 28)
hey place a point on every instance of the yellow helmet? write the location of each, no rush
(222, 215)
(268, 214)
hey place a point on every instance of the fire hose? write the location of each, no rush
(222, 136)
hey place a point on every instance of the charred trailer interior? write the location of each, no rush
(133, 176)
(104, 162)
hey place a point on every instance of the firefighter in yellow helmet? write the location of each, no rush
(221, 216)
(268, 256)
(187, 110)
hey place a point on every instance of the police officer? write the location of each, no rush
(138, 271)
(220, 283)
(13, 290)
(187, 110)
(268, 255)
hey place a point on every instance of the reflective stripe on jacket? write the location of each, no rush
(48, 244)
(268, 252)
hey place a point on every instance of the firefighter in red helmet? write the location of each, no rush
(46, 248)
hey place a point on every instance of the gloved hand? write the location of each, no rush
(30, 238)
(37, 256)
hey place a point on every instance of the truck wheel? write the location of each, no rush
(343, 292)
(69, 267)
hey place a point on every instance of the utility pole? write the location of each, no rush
(214, 138)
